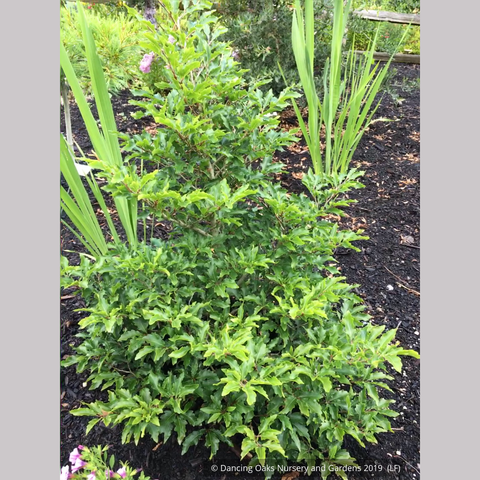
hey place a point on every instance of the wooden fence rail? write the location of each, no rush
(397, 58)
(392, 17)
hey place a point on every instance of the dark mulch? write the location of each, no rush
(386, 270)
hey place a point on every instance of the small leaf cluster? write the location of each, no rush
(240, 325)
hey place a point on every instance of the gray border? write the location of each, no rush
(30, 239)
(449, 262)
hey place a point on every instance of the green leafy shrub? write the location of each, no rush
(116, 41)
(260, 33)
(213, 126)
(240, 325)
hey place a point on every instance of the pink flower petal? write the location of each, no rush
(146, 62)
(122, 472)
(65, 473)
(78, 465)
(74, 456)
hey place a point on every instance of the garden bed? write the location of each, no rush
(386, 269)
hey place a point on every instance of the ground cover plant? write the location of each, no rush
(241, 323)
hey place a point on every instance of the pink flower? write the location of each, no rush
(64, 474)
(109, 473)
(81, 447)
(74, 456)
(122, 472)
(91, 476)
(171, 39)
(79, 463)
(146, 62)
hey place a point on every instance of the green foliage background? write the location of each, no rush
(116, 38)
(260, 31)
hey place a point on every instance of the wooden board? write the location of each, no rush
(399, 57)
(393, 17)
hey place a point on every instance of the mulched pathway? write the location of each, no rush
(387, 271)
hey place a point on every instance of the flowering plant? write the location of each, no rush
(93, 464)
(146, 62)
